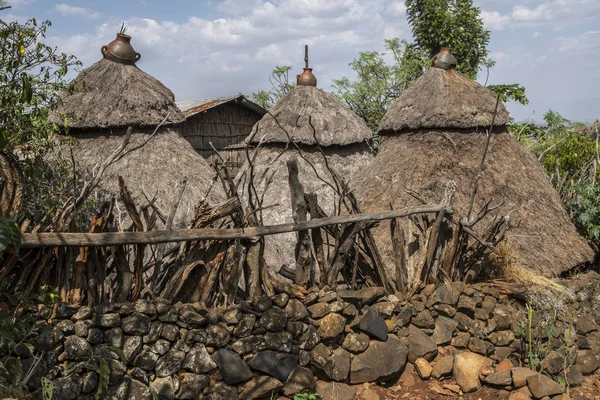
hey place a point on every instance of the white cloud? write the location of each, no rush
(494, 21)
(67, 10)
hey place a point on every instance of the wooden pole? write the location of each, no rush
(66, 239)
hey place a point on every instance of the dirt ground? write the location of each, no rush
(411, 387)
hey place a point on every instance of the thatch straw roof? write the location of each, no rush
(271, 183)
(443, 99)
(153, 170)
(110, 95)
(334, 124)
(544, 237)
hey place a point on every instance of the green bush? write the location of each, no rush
(571, 161)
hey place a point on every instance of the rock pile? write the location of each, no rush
(471, 334)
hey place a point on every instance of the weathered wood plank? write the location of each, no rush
(69, 239)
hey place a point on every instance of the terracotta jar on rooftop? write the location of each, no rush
(121, 51)
(306, 78)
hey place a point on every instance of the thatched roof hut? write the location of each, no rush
(315, 128)
(114, 94)
(435, 133)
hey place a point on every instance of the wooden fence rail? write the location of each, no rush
(67, 239)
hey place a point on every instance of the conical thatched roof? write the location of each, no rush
(150, 172)
(334, 124)
(436, 135)
(111, 95)
(443, 99)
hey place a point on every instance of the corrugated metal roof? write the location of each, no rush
(193, 107)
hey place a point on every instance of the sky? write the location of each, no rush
(216, 48)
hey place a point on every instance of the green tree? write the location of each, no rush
(455, 24)
(31, 76)
(280, 86)
(378, 84)
(571, 159)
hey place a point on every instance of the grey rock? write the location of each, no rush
(384, 308)
(447, 294)
(281, 299)
(65, 310)
(140, 375)
(309, 339)
(221, 391)
(231, 366)
(480, 346)
(320, 360)
(196, 336)
(111, 320)
(160, 347)
(295, 310)
(66, 326)
(132, 389)
(81, 328)
(331, 326)
(467, 306)
(502, 378)
(574, 376)
(341, 365)
(114, 337)
(262, 304)
(136, 324)
(131, 347)
(154, 334)
(259, 387)
(586, 325)
(146, 360)
(198, 360)
(245, 327)
(48, 337)
(277, 365)
(420, 345)
(356, 343)
(443, 367)
(191, 385)
(231, 315)
(300, 379)
(145, 307)
(84, 312)
(217, 335)
(170, 316)
(77, 349)
(380, 361)
(279, 341)
(169, 363)
(363, 296)
(163, 388)
(170, 332)
(588, 361)
(274, 319)
(464, 322)
(117, 371)
(541, 385)
(89, 382)
(424, 320)
(248, 344)
(67, 388)
(373, 325)
(194, 319)
(444, 329)
(95, 336)
(319, 310)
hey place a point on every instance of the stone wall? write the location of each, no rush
(467, 335)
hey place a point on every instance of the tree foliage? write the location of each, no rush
(378, 83)
(280, 86)
(455, 24)
(31, 76)
(571, 159)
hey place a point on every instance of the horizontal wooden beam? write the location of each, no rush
(69, 239)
